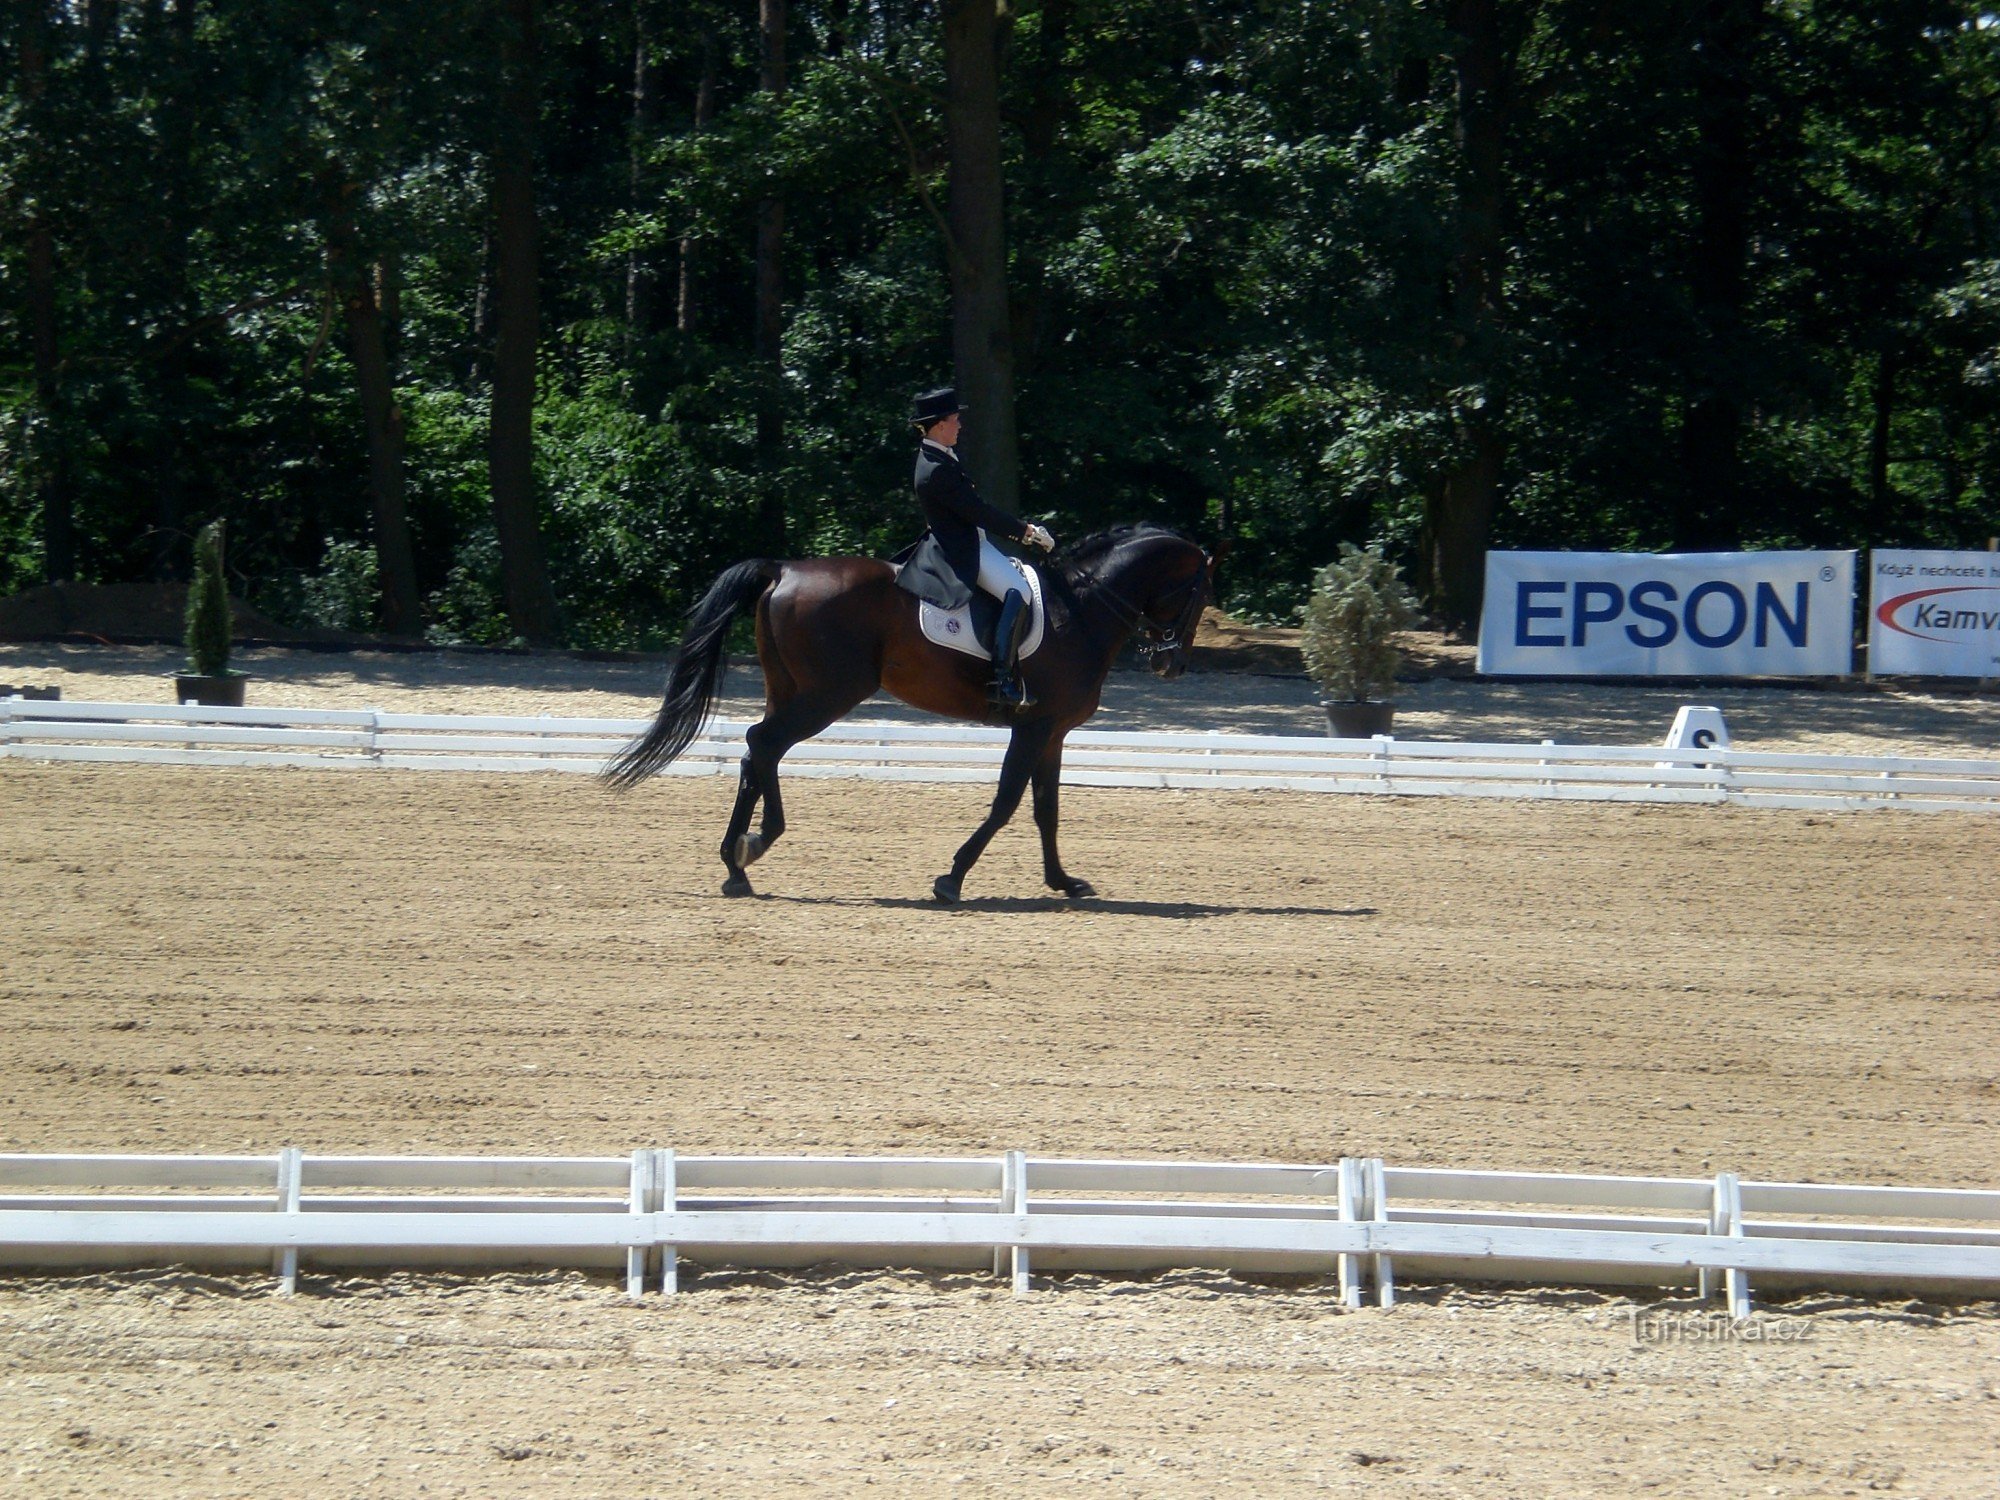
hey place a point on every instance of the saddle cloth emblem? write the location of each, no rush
(953, 627)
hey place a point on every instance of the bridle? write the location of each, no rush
(1155, 639)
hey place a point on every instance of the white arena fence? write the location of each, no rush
(1356, 1219)
(334, 739)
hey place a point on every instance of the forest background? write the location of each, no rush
(516, 320)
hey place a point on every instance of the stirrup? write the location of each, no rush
(1009, 691)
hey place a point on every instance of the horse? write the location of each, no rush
(831, 631)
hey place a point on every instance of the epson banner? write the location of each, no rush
(1697, 614)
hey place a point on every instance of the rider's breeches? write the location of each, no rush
(997, 573)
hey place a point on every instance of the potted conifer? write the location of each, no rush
(1358, 604)
(208, 680)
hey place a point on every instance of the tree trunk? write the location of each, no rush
(1465, 496)
(1881, 497)
(1462, 526)
(704, 110)
(168, 482)
(531, 604)
(982, 343)
(100, 23)
(639, 274)
(51, 470)
(389, 298)
(1708, 514)
(368, 324)
(770, 302)
(402, 612)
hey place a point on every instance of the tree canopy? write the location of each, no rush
(522, 320)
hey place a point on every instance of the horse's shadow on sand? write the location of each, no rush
(1171, 910)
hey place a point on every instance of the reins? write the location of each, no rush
(1154, 639)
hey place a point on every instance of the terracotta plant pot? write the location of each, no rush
(225, 691)
(1358, 720)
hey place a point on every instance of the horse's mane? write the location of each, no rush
(1075, 562)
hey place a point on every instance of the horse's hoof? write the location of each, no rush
(1079, 890)
(749, 849)
(737, 885)
(945, 889)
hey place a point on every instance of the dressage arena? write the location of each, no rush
(202, 960)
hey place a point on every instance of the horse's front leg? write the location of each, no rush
(1048, 794)
(1023, 751)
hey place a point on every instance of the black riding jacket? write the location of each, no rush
(944, 569)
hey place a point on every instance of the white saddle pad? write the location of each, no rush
(952, 628)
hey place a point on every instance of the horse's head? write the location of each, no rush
(1156, 583)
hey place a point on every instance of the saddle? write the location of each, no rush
(970, 627)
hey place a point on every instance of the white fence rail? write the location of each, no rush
(367, 738)
(1355, 1218)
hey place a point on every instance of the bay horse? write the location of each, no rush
(831, 631)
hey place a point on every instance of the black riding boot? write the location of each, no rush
(1009, 691)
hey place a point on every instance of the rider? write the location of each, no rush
(956, 556)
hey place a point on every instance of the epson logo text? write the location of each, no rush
(1714, 615)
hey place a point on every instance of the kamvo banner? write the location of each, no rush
(1934, 613)
(1697, 614)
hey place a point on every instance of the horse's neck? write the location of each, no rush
(1135, 575)
(1118, 588)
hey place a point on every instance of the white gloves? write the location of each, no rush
(1039, 535)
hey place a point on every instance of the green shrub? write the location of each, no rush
(343, 593)
(1358, 603)
(208, 607)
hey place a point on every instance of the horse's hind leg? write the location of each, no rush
(756, 774)
(781, 728)
(760, 766)
(747, 792)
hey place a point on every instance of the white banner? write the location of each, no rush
(1696, 614)
(1936, 614)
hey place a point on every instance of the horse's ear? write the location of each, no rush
(1223, 548)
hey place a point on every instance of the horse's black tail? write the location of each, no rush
(692, 679)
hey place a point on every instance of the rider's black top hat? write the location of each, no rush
(934, 406)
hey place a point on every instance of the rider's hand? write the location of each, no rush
(1039, 535)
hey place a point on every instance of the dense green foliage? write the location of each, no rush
(1743, 288)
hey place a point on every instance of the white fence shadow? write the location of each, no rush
(336, 739)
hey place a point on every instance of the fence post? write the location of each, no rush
(1378, 1213)
(639, 1200)
(1347, 1202)
(1015, 1186)
(291, 1172)
(374, 735)
(1005, 1205)
(666, 1192)
(1725, 1217)
(1384, 746)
